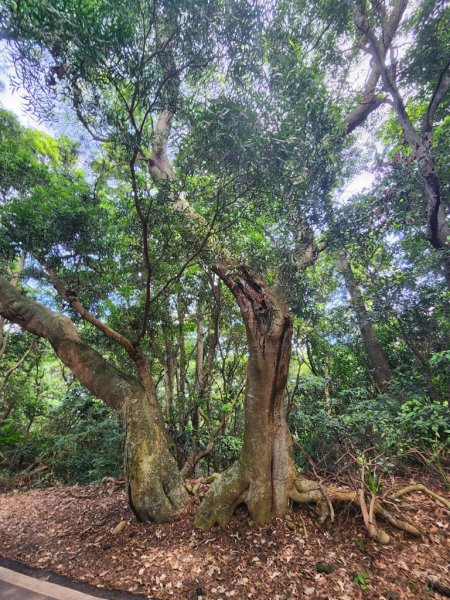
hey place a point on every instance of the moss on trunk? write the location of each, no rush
(155, 488)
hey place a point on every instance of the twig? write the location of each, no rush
(319, 481)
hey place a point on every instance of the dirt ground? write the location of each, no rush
(89, 534)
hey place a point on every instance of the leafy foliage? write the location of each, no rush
(261, 94)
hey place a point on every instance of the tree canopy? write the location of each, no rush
(208, 269)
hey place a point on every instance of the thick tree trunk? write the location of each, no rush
(380, 369)
(263, 477)
(156, 490)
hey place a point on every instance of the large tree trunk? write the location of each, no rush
(264, 477)
(264, 474)
(379, 366)
(155, 488)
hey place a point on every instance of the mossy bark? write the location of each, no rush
(155, 487)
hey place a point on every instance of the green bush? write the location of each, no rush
(389, 425)
(85, 439)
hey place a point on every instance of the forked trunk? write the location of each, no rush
(263, 476)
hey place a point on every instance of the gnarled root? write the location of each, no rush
(419, 487)
(234, 487)
(305, 492)
(225, 494)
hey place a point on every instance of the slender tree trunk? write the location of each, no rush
(380, 369)
(421, 354)
(199, 383)
(169, 369)
(326, 374)
(213, 339)
(264, 474)
(182, 363)
(155, 488)
(168, 386)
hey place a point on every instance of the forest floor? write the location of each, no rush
(89, 534)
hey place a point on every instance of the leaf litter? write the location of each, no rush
(89, 534)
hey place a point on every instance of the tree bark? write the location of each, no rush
(380, 368)
(263, 476)
(154, 486)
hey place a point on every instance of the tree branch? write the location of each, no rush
(89, 317)
(195, 457)
(440, 91)
(89, 367)
(370, 100)
(16, 366)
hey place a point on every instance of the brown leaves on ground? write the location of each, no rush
(89, 534)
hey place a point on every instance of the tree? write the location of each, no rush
(67, 218)
(121, 69)
(266, 316)
(381, 371)
(374, 23)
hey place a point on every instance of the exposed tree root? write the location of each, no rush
(398, 523)
(420, 488)
(233, 487)
(223, 497)
(306, 492)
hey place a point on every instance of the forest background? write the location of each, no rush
(219, 148)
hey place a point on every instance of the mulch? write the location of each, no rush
(74, 531)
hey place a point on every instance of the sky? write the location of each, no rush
(13, 100)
